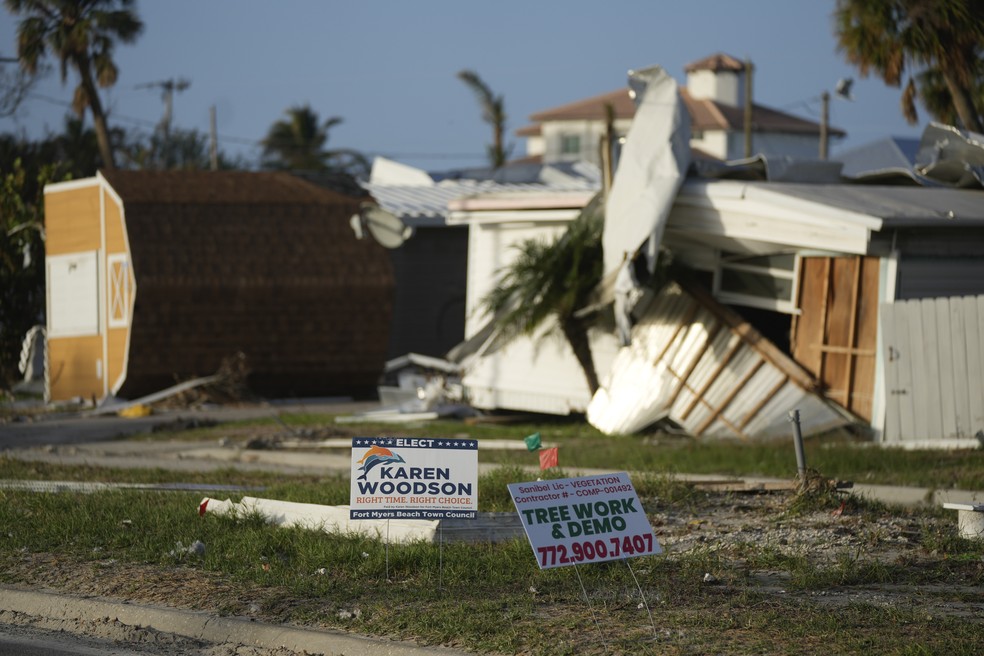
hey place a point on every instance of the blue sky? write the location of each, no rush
(388, 67)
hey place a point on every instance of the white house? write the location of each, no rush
(714, 96)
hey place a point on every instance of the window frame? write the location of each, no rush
(725, 261)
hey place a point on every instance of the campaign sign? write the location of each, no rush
(583, 520)
(414, 478)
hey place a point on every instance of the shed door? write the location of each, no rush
(73, 294)
(934, 368)
(836, 333)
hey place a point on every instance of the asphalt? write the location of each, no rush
(95, 440)
(206, 627)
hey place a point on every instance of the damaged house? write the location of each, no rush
(157, 277)
(853, 301)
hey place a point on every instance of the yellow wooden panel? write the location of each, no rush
(115, 241)
(71, 220)
(116, 354)
(73, 368)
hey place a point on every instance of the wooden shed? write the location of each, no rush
(157, 277)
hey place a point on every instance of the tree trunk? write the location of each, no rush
(576, 334)
(98, 116)
(499, 157)
(963, 104)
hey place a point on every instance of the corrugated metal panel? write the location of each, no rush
(933, 354)
(696, 363)
(897, 206)
(428, 204)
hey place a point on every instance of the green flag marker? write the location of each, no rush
(533, 441)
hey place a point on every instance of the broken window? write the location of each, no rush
(761, 281)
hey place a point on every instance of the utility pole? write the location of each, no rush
(168, 87)
(213, 148)
(824, 124)
(607, 143)
(748, 107)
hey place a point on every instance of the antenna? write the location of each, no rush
(168, 87)
(384, 226)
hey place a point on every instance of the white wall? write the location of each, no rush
(724, 87)
(538, 374)
(589, 132)
(491, 246)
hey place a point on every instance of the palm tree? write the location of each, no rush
(15, 83)
(891, 37)
(298, 144)
(554, 280)
(937, 99)
(82, 35)
(493, 113)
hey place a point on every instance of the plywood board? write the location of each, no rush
(835, 336)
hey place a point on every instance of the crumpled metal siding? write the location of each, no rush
(707, 372)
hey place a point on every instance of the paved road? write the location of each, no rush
(27, 641)
(81, 428)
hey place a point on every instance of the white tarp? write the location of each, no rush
(651, 169)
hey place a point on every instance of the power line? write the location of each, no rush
(258, 143)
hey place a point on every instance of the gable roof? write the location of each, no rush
(716, 62)
(709, 114)
(218, 187)
(592, 108)
(705, 114)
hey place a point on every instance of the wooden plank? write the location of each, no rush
(727, 399)
(695, 360)
(808, 329)
(948, 404)
(721, 366)
(889, 320)
(866, 342)
(846, 350)
(840, 316)
(852, 335)
(930, 403)
(918, 364)
(824, 330)
(754, 410)
(958, 338)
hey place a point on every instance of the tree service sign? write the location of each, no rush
(583, 520)
(414, 478)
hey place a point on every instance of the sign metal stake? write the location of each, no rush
(644, 601)
(594, 617)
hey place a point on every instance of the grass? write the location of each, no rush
(492, 597)
(837, 455)
(486, 598)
